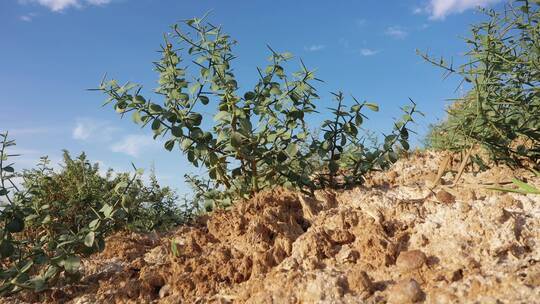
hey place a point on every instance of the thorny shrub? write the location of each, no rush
(49, 219)
(501, 112)
(259, 138)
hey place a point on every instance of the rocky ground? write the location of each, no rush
(397, 239)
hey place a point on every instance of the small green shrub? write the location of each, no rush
(259, 138)
(501, 113)
(54, 218)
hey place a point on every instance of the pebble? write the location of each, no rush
(347, 255)
(410, 260)
(164, 291)
(406, 291)
(445, 197)
(360, 282)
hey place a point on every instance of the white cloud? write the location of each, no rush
(28, 17)
(417, 10)
(60, 5)
(439, 9)
(87, 129)
(133, 145)
(368, 52)
(98, 2)
(396, 32)
(314, 48)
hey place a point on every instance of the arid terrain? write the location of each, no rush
(397, 239)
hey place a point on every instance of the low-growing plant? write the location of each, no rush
(259, 138)
(49, 219)
(157, 208)
(501, 112)
(520, 186)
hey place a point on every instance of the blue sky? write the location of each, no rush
(51, 51)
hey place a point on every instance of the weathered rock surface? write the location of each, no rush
(391, 240)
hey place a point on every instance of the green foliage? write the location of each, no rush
(54, 218)
(258, 138)
(501, 112)
(343, 152)
(522, 187)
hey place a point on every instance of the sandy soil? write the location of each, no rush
(394, 240)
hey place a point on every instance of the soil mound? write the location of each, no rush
(395, 240)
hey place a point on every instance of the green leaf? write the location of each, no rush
(155, 108)
(46, 219)
(194, 88)
(392, 156)
(71, 264)
(174, 248)
(249, 95)
(204, 99)
(358, 120)
(39, 284)
(245, 125)
(195, 118)
(9, 169)
(6, 249)
(107, 210)
(222, 116)
(121, 186)
(31, 217)
(136, 117)
(404, 144)
(156, 124)
(292, 149)
(16, 225)
(390, 139)
(52, 270)
(275, 91)
(404, 133)
(177, 131)
(26, 266)
(138, 99)
(236, 139)
(281, 157)
(525, 187)
(89, 239)
(372, 106)
(169, 145)
(94, 224)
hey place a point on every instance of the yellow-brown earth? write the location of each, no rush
(394, 240)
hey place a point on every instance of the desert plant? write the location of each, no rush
(501, 112)
(43, 238)
(49, 220)
(260, 138)
(343, 152)
(154, 207)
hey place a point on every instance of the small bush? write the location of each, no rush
(54, 218)
(259, 138)
(501, 113)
